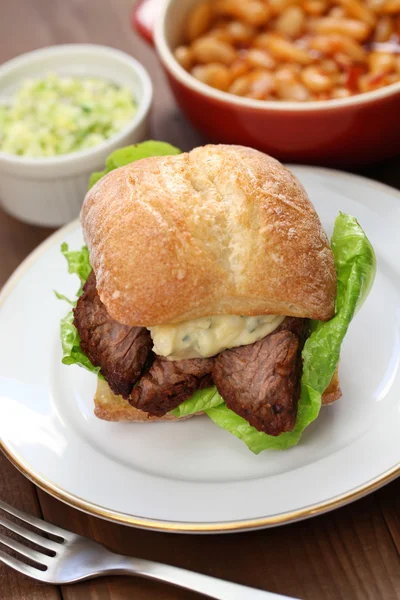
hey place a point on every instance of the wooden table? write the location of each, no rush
(350, 553)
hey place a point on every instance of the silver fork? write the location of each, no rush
(70, 558)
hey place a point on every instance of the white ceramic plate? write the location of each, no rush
(193, 476)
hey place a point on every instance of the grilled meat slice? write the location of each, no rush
(261, 381)
(119, 350)
(168, 383)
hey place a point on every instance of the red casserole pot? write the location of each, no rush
(351, 131)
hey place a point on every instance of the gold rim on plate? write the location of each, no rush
(171, 526)
(182, 527)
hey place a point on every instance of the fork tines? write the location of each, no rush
(47, 548)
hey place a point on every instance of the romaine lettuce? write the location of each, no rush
(200, 401)
(78, 263)
(71, 345)
(129, 154)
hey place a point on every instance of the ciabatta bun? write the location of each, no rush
(333, 391)
(219, 230)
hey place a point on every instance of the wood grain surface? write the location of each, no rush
(352, 553)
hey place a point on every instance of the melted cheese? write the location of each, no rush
(208, 336)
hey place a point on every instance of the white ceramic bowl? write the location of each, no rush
(50, 191)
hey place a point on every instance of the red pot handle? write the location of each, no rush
(143, 18)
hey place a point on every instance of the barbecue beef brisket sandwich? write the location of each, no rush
(209, 272)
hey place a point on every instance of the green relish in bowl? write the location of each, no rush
(57, 115)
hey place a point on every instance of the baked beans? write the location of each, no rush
(297, 50)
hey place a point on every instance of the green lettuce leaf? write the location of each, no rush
(201, 400)
(71, 345)
(129, 154)
(355, 265)
(62, 297)
(78, 263)
(256, 441)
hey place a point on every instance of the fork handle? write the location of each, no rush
(203, 584)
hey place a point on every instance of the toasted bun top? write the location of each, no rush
(219, 230)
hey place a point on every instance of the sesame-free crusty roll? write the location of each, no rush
(220, 230)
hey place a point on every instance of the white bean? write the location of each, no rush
(288, 88)
(291, 21)
(252, 12)
(208, 50)
(348, 27)
(315, 7)
(315, 80)
(199, 20)
(284, 50)
(384, 29)
(359, 10)
(381, 62)
(213, 74)
(184, 56)
(341, 92)
(260, 58)
(262, 84)
(240, 86)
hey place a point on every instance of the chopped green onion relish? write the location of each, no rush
(58, 115)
